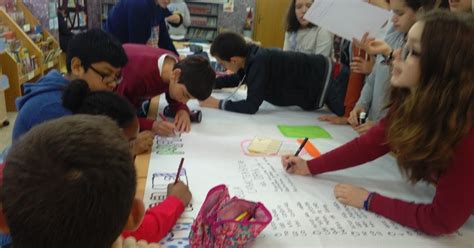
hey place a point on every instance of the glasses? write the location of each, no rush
(409, 52)
(108, 79)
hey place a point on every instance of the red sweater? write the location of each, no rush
(158, 220)
(452, 204)
(142, 80)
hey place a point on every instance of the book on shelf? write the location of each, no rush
(203, 9)
(202, 21)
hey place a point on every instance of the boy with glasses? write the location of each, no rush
(95, 57)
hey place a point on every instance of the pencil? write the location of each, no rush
(301, 147)
(179, 171)
(298, 152)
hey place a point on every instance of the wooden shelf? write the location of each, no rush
(3, 107)
(12, 69)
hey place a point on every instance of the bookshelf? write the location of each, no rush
(30, 50)
(42, 38)
(76, 14)
(3, 109)
(204, 18)
(20, 61)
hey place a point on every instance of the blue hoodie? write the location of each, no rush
(131, 21)
(42, 101)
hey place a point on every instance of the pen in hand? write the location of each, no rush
(297, 152)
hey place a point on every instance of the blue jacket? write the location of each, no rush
(131, 21)
(42, 101)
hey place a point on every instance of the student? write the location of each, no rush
(153, 71)
(142, 22)
(361, 65)
(180, 7)
(79, 99)
(158, 220)
(93, 56)
(68, 167)
(429, 129)
(303, 36)
(374, 93)
(281, 78)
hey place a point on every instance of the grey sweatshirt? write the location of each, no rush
(178, 33)
(374, 95)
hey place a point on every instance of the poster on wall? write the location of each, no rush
(229, 6)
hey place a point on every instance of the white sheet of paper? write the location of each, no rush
(305, 212)
(348, 18)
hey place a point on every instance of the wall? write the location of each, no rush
(235, 21)
(93, 13)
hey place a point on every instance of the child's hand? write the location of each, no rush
(364, 128)
(174, 18)
(354, 116)
(362, 66)
(210, 102)
(372, 46)
(143, 143)
(182, 121)
(334, 119)
(181, 191)
(297, 165)
(163, 128)
(351, 195)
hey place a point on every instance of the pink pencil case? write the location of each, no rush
(216, 224)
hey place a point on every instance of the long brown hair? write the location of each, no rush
(292, 23)
(427, 124)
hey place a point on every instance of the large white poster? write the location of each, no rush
(305, 212)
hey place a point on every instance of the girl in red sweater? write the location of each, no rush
(429, 129)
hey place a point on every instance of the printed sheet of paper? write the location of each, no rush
(348, 18)
(305, 212)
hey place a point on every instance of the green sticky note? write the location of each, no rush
(304, 131)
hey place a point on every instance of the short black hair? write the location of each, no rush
(78, 98)
(69, 182)
(197, 75)
(94, 46)
(292, 23)
(229, 44)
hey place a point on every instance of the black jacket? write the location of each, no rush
(281, 78)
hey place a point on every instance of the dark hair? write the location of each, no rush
(78, 98)
(229, 44)
(426, 125)
(444, 4)
(292, 23)
(197, 75)
(95, 46)
(69, 182)
(415, 5)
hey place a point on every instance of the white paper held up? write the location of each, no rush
(348, 18)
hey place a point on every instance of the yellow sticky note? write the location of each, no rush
(264, 145)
